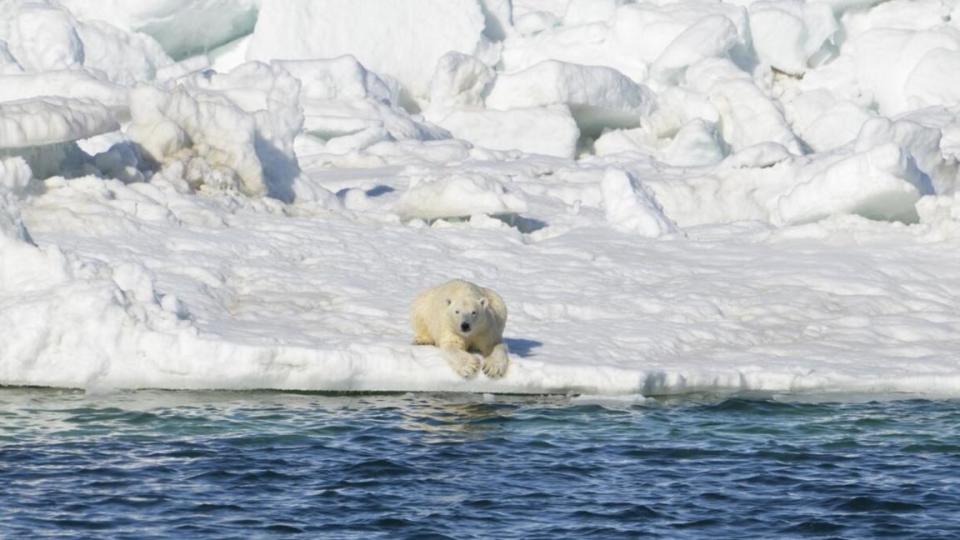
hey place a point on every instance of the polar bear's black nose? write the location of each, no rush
(465, 327)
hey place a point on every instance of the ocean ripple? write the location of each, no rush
(153, 464)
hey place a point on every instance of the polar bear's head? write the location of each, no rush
(468, 314)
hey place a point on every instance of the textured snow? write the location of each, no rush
(671, 197)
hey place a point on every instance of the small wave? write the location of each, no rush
(865, 503)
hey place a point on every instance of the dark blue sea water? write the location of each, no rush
(259, 464)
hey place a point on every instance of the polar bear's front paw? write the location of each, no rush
(465, 364)
(495, 365)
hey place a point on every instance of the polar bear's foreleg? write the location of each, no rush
(421, 336)
(465, 364)
(421, 332)
(496, 363)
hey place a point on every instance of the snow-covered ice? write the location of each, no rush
(671, 197)
(401, 40)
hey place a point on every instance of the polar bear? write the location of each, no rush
(462, 318)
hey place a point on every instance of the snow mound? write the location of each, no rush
(339, 79)
(696, 143)
(879, 183)
(631, 207)
(124, 57)
(825, 122)
(935, 80)
(460, 80)
(712, 36)
(748, 115)
(899, 69)
(457, 94)
(407, 48)
(598, 97)
(269, 94)
(237, 129)
(457, 195)
(650, 30)
(550, 131)
(180, 124)
(349, 108)
(45, 37)
(791, 36)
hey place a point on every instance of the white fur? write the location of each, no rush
(437, 316)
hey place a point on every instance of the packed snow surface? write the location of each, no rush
(671, 198)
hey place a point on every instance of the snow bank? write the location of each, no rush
(208, 303)
(406, 48)
(672, 197)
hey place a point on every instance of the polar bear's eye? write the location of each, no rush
(457, 311)
(474, 312)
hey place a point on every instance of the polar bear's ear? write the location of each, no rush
(449, 302)
(483, 302)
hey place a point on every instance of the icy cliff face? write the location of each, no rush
(671, 198)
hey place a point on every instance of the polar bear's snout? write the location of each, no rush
(468, 322)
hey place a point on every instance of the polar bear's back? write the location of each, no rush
(498, 307)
